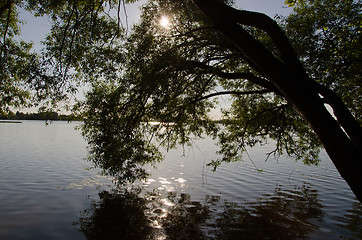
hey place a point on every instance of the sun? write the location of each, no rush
(165, 22)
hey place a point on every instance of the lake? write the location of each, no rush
(49, 191)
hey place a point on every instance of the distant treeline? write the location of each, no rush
(53, 116)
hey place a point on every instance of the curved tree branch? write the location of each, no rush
(268, 25)
(235, 75)
(260, 58)
(230, 93)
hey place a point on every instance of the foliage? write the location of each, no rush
(156, 86)
(170, 76)
(14, 56)
(327, 36)
(80, 40)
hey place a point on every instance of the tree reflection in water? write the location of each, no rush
(283, 215)
(117, 214)
(135, 214)
(353, 220)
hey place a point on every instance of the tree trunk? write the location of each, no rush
(290, 78)
(344, 153)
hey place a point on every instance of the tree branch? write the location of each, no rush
(192, 31)
(268, 25)
(6, 6)
(125, 14)
(230, 93)
(6, 29)
(235, 75)
(253, 51)
(343, 115)
(65, 33)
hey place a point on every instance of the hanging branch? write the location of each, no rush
(6, 28)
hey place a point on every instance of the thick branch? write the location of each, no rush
(235, 75)
(255, 53)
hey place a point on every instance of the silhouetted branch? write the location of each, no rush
(236, 75)
(6, 29)
(6, 6)
(230, 93)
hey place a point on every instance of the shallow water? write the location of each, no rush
(46, 192)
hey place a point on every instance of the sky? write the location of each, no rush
(35, 29)
(269, 7)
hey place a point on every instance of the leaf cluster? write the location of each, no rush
(327, 36)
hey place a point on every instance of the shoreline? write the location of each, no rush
(6, 121)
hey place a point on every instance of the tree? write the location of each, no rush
(79, 31)
(327, 38)
(13, 57)
(341, 137)
(171, 74)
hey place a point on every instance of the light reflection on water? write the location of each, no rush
(46, 193)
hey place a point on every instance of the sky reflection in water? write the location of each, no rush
(45, 189)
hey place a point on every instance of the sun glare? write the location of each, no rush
(165, 22)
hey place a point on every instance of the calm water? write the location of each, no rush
(47, 192)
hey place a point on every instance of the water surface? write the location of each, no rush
(47, 192)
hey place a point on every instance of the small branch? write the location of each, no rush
(118, 14)
(239, 93)
(65, 33)
(6, 6)
(125, 14)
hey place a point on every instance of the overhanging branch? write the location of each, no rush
(230, 93)
(235, 75)
(268, 25)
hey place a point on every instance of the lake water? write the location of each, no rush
(48, 192)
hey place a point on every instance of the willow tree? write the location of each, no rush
(172, 72)
(82, 37)
(340, 134)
